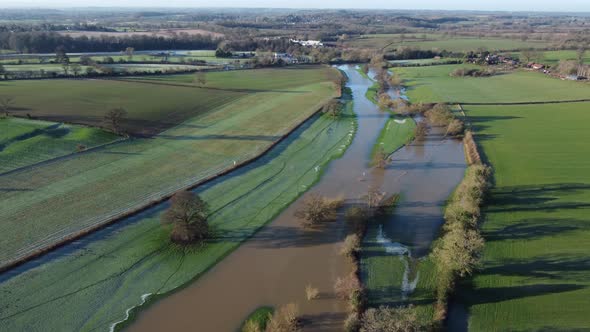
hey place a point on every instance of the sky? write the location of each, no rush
(502, 5)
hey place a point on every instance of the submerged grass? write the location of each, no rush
(90, 285)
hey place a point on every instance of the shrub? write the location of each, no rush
(351, 245)
(311, 293)
(346, 287)
(420, 131)
(381, 158)
(352, 322)
(384, 319)
(285, 319)
(317, 209)
(395, 80)
(455, 128)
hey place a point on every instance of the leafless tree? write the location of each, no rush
(200, 78)
(6, 104)
(114, 117)
(188, 216)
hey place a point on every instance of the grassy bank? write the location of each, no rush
(397, 132)
(94, 284)
(27, 142)
(47, 203)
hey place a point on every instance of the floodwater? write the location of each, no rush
(275, 265)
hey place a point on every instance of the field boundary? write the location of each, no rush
(12, 263)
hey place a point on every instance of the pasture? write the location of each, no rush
(553, 57)
(434, 84)
(27, 142)
(221, 128)
(536, 263)
(152, 104)
(91, 286)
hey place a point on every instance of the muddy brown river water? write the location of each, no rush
(274, 266)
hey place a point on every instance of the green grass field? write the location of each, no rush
(27, 142)
(433, 84)
(91, 287)
(439, 42)
(152, 105)
(536, 262)
(44, 204)
(553, 57)
(536, 268)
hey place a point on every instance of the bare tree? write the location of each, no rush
(333, 108)
(188, 216)
(200, 78)
(66, 68)
(580, 53)
(114, 117)
(76, 69)
(6, 103)
(129, 52)
(317, 209)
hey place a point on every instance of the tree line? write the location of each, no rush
(48, 42)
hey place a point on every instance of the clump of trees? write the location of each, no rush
(455, 128)
(458, 251)
(317, 209)
(473, 72)
(188, 215)
(441, 115)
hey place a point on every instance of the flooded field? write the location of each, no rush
(274, 266)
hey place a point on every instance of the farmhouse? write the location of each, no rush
(286, 57)
(308, 43)
(536, 66)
